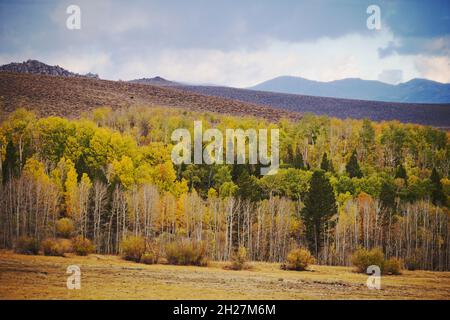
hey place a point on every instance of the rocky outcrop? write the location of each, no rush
(37, 67)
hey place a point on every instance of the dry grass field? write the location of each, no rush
(109, 277)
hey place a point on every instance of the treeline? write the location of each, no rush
(343, 185)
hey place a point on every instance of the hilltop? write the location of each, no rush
(37, 67)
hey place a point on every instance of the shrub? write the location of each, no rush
(56, 247)
(152, 254)
(133, 248)
(149, 258)
(239, 260)
(65, 227)
(363, 258)
(82, 246)
(413, 262)
(393, 266)
(298, 259)
(27, 245)
(186, 253)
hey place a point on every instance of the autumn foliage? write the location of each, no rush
(239, 260)
(82, 246)
(363, 258)
(26, 245)
(342, 185)
(133, 248)
(56, 247)
(186, 252)
(298, 259)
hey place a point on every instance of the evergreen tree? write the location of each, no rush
(387, 197)
(330, 166)
(352, 166)
(387, 209)
(223, 175)
(325, 164)
(320, 206)
(290, 154)
(401, 173)
(298, 160)
(249, 187)
(437, 194)
(367, 138)
(11, 164)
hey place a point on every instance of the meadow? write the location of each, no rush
(109, 277)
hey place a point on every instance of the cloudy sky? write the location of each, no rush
(236, 43)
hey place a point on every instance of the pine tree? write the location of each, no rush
(290, 154)
(249, 187)
(11, 164)
(387, 197)
(401, 173)
(352, 166)
(222, 175)
(325, 164)
(320, 206)
(437, 194)
(331, 166)
(367, 138)
(387, 209)
(298, 160)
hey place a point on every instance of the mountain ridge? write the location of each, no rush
(416, 90)
(437, 115)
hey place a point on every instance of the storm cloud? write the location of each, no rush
(229, 42)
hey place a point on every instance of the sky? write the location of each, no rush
(233, 43)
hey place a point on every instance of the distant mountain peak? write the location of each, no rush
(38, 67)
(422, 80)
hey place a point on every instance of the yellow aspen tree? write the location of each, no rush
(70, 189)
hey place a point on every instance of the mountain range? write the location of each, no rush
(413, 91)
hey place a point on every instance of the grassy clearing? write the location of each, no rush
(109, 277)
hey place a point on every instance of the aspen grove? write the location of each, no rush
(109, 175)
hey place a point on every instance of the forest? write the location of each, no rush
(342, 185)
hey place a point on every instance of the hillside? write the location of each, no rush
(413, 91)
(437, 115)
(69, 96)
